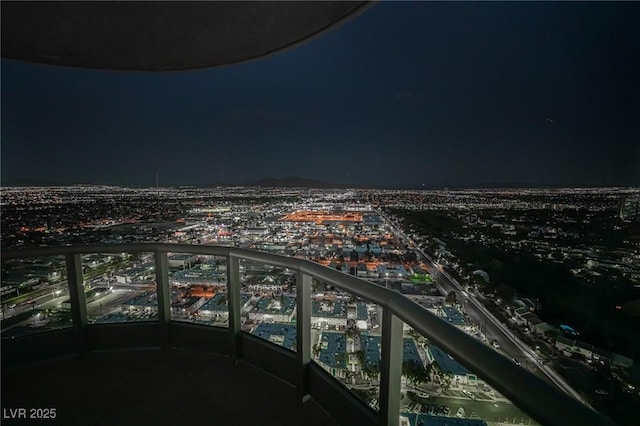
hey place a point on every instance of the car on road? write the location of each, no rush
(460, 412)
(602, 392)
(11, 306)
(423, 395)
(516, 361)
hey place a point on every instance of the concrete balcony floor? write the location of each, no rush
(155, 387)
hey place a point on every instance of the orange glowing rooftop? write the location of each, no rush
(321, 217)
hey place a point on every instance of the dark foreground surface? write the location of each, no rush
(151, 387)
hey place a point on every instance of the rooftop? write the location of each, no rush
(333, 350)
(281, 334)
(453, 315)
(269, 305)
(446, 363)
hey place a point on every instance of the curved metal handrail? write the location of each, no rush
(545, 402)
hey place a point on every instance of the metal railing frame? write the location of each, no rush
(543, 401)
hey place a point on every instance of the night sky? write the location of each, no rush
(405, 94)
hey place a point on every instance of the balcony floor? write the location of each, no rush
(154, 387)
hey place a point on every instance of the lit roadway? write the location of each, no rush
(43, 298)
(485, 319)
(39, 297)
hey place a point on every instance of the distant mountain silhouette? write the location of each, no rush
(212, 184)
(507, 185)
(295, 182)
(285, 182)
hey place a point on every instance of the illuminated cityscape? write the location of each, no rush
(450, 251)
(320, 213)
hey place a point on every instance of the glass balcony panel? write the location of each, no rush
(198, 289)
(436, 384)
(119, 287)
(346, 340)
(268, 302)
(32, 292)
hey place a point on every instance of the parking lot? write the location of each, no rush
(489, 411)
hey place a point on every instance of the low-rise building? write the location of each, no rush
(447, 365)
(411, 419)
(280, 334)
(147, 301)
(274, 309)
(143, 272)
(371, 346)
(181, 260)
(336, 313)
(332, 355)
(453, 316)
(591, 352)
(184, 304)
(217, 308)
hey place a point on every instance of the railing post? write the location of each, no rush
(233, 305)
(163, 291)
(391, 369)
(303, 332)
(75, 280)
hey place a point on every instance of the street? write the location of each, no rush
(481, 316)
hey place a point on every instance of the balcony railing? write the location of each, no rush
(544, 402)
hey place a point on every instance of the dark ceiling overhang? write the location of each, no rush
(162, 36)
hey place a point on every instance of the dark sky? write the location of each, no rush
(407, 93)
